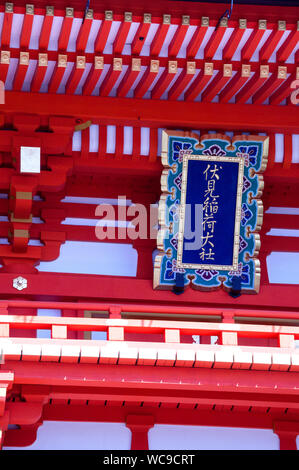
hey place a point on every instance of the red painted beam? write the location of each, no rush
(83, 35)
(197, 38)
(27, 27)
(215, 39)
(253, 84)
(21, 71)
(46, 28)
(254, 40)
(111, 77)
(285, 90)
(39, 73)
(141, 34)
(57, 74)
(165, 80)
(129, 78)
(182, 81)
(160, 36)
(270, 119)
(199, 82)
(272, 41)
(122, 33)
(93, 76)
(216, 85)
(288, 46)
(104, 31)
(147, 79)
(75, 76)
(4, 65)
(270, 86)
(65, 32)
(178, 37)
(7, 25)
(235, 84)
(234, 40)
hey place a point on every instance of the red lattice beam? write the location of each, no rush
(84, 31)
(27, 27)
(147, 79)
(217, 83)
(46, 29)
(75, 76)
(270, 86)
(235, 84)
(111, 77)
(272, 41)
(93, 76)
(104, 31)
(141, 34)
(200, 82)
(122, 33)
(7, 25)
(288, 46)
(21, 71)
(234, 40)
(254, 40)
(253, 84)
(160, 36)
(215, 39)
(129, 78)
(197, 38)
(165, 79)
(40, 72)
(58, 73)
(4, 65)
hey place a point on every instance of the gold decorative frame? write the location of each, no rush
(207, 158)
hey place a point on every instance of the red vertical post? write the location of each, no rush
(139, 426)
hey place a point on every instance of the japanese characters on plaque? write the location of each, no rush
(210, 211)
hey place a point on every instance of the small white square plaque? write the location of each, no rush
(30, 160)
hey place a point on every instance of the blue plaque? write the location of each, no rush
(210, 211)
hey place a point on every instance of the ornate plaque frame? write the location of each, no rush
(178, 148)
